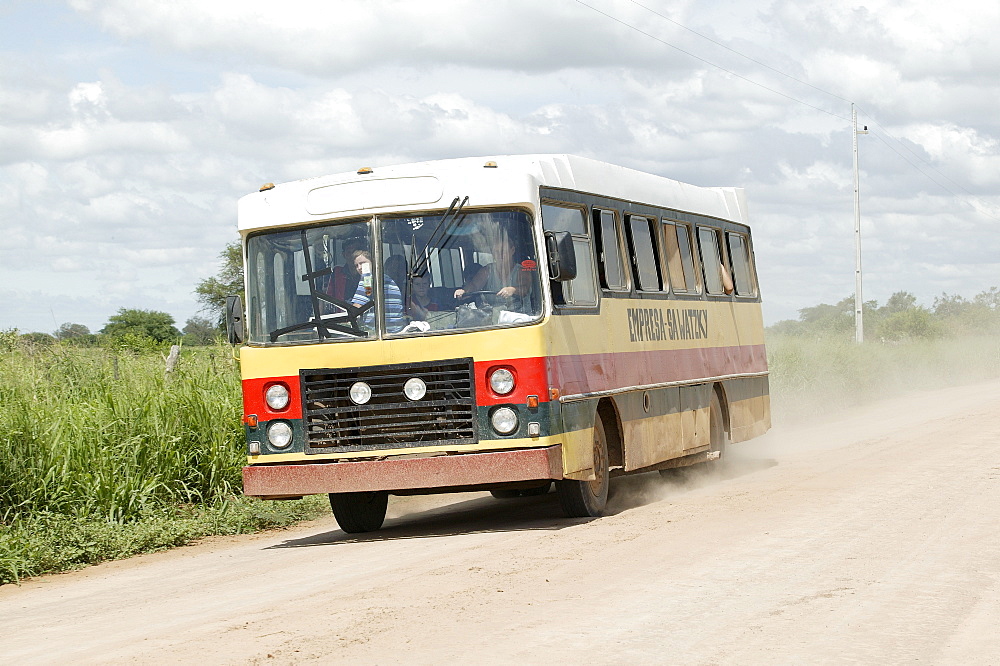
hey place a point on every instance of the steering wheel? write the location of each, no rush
(481, 297)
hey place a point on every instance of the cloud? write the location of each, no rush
(125, 185)
(326, 39)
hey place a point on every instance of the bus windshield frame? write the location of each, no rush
(438, 273)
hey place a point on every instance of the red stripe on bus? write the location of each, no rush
(590, 373)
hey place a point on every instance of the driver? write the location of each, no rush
(506, 276)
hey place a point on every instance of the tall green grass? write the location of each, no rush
(104, 455)
(97, 433)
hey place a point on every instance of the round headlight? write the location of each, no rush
(415, 388)
(279, 434)
(276, 396)
(502, 381)
(504, 420)
(360, 393)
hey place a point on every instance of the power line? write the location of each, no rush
(980, 208)
(742, 55)
(712, 64)
(982, 204)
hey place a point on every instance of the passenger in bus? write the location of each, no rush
(344, 281)
(421, 303)
(392, 297)
(726, 279)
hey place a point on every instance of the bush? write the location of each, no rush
(912, 324)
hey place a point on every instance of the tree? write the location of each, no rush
(911, 323)
(989, 298)
(158, 326)
(68, 331)
(199, 331)
(37, 339)
(898, 302)
(77, 335)
(212, 292)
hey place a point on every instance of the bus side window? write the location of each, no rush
(581, 290)
(680, 258)
(643, 251)
(712, 262)
(609, 250)
(739, 255)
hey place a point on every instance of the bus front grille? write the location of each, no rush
(445, 415)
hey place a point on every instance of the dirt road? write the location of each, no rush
(871, 539)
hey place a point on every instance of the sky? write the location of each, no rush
(129, 128)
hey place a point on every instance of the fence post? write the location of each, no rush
(175, 354)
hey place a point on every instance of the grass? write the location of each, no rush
(104, 455)
(816, 376)
(89, 433)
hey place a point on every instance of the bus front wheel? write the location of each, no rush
(587, 499)
(359, 512)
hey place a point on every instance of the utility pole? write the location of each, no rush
(859, 328)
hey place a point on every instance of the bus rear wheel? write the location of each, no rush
(359, 512)
(587, 499)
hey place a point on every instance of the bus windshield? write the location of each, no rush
(432, 273)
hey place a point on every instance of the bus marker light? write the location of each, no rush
(250, 420)
(365, 170)
(534, 429)
(553, 394)
(266, 186)
(504, 420)
(414, 388)
(532, 402)
(360, 393)
(254, 448)
(490, 165)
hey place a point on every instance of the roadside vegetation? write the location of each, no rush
(104, 453)
(817, 367)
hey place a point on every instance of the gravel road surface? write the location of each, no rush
(870, 538)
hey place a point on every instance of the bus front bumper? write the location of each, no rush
(468, 469)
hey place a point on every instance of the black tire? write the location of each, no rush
(587, 499)
(359, 512)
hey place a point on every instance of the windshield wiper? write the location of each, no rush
(444, 225)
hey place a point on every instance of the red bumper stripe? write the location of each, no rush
(403, 473)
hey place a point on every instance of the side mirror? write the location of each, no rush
(235, 328)
(562, 255)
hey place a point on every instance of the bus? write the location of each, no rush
(500, 324)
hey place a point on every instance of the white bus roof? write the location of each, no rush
(487, 181)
